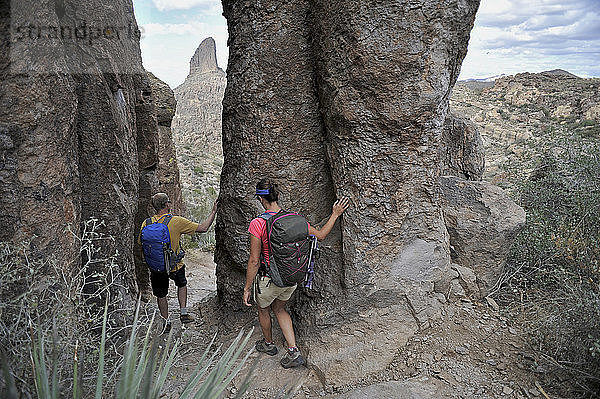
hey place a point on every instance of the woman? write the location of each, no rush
(270, 296)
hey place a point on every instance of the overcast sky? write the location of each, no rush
(509, 36)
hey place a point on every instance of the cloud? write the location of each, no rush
(168, 48)
(541, 19)
(167, 5)
(532, 35)
(503, 13)
(173, 29)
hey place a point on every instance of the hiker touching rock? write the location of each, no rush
(159, 237)
(280, 254)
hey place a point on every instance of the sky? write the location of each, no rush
(509, 36)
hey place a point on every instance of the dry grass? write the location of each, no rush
(552, 281)
(56, 305)
(57, 342)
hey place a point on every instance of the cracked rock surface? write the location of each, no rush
(337, 98)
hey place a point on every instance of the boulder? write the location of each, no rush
(331, 99)
(465, 284)
(482, 222)
(462, 152)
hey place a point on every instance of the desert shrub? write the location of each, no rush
(144, 369)
(554, 264)
(199, 206)
(56, 342)
(38, 295)
(198, 170)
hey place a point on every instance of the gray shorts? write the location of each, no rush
(269, 292)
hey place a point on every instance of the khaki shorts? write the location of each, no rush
(269, 292)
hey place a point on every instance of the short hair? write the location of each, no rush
(266, 184)
(159, 201)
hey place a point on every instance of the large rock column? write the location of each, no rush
(158, 167)
(385, 71)
(271, 128)
(380, 74)
(73, 85)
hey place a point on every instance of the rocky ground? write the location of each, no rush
(473, 352)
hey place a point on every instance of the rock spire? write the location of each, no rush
(205, 57)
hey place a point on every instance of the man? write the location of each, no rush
(159, 281)
(270, 296)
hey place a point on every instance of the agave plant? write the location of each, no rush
(144, 369)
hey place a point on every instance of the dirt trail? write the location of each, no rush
(474, 352)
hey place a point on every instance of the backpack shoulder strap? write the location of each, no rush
(279, 213)
(167, 219)
(265, 216)
(148, 221)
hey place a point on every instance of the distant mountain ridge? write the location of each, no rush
(491, 79)
(485, 80)
(523, 116)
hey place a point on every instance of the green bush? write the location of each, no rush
(554, 263)
(199, 203)
(198, 170)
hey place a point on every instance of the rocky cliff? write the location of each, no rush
(158, 163)
(79, 133)
(168, 168)
(331, 99)
(75, 111)
(197, 129)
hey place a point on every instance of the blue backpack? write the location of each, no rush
(156, 243)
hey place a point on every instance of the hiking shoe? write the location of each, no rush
(166, 328)
(186, 318)
(269, 349)
(292, 358)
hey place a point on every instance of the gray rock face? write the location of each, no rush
(168, 169)
(462, 152)
(205, 57)
(482, 222)
(331, 99)
(157, 161)
(79, 126)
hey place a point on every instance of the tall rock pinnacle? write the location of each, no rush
(344, 95)
(205, 57)
(197, 128)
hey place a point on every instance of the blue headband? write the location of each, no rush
(262, 192)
